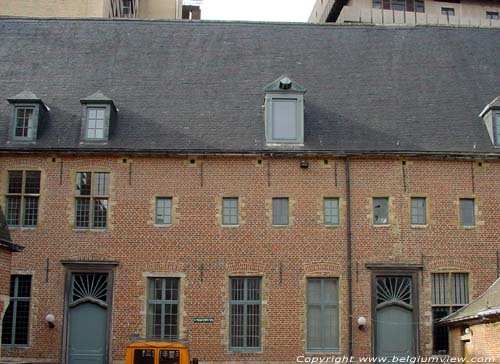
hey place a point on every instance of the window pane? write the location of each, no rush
(377, 4)
(419, 6)
(440, 332)
(144, 356)
(15, 327)
(163, 296)
(24, 122)
(100, 212)
(467, 217)
(15, 182)
(30, 211)
(280, 211)
(101, 183)
(32, 184)
(418, 211)
(169, 357)
(13, 210)
(497, 126)
(95, 123)
(460, 288)
(398, 5)
(284, 119)
(245, 306)
(163, 210)
(83, 180)
(331, 211)
(440, 289)
(82, 212)
(230, 211)
(380, 211)
(493, 15)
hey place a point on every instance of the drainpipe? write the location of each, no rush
(176, 9)
(349, 250)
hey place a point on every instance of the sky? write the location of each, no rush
(257, 10)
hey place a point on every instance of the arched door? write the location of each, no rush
(395, 328)
(88, 318)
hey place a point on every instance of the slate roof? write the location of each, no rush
(199, 86)
(486, 306)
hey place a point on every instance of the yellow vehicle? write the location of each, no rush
(158, 352)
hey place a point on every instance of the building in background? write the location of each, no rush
(431, 12)
(141, 9)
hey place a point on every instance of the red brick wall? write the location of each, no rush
(486, 340)
(306, 248)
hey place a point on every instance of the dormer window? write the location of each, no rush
(284, 112)
(98, 113)
(28, 109)
(491, 117)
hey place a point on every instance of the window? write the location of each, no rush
(322, 314)
(24, 122)
(163, 309)
(245, 313)
(163, 210)
(418, 211)
(492, 15)
(381, 211)
(284, 112)
(401, 5)
(169, 357)
(91, 201)
(23, 194)
(467, 215)
(331, 210)
(280, 211)
(450, 291)
(497, 128)
(95, 123)
(230, 211)
(144, 356)
(448, 11)
(15, 325)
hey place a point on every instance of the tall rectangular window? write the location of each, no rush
(331, 210)
(23, 194)
(163, 309)
(95, 122)
(230, 211)
(322, 314)
(280, 211)
(163, 210)
(24, 122)
(467, 214)
(284, 119)
(91, 200)
(381, 211)
(15, 325)
(245, 313)
(450, 291)
(418, 211)
(497, 128)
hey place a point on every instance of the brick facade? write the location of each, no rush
(204, 255)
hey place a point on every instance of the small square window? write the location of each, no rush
(492, 15)
(280, 211)
(418, 211)
(380, 211)
(230, 211)
(467, 214)
(331, 211)
(163, 210)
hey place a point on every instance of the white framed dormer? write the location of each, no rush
(491, 118)
(98, 113)
(28, 110)
(284, 112)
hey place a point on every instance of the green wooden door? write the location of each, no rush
(88, 319)
(394, 328)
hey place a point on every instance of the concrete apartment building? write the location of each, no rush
(142, 9)
(427, 12)
(259, 193)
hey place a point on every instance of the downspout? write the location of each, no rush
(349, 251)
(176, 9)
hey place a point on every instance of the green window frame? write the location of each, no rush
(380, 211)
(91, 200)
(245, 313)
(16, 322)
(323, 329)
(280, 211)
(418, 211)
(22, 198)
(163, 211)
(230, 211)
(162, 322)
(450, 292)
(331, 211)
(467, 212)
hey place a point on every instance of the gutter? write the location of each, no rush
(349, 251)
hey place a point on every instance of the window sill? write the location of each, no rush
(381, 225)
(245, 351)
(468, 227)
(280, 226)
(323, 352)
(230, 226)
(331, 226)
(16, 346)
(22, 228)
(163, 226)
(418, 226)
(91, 230)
